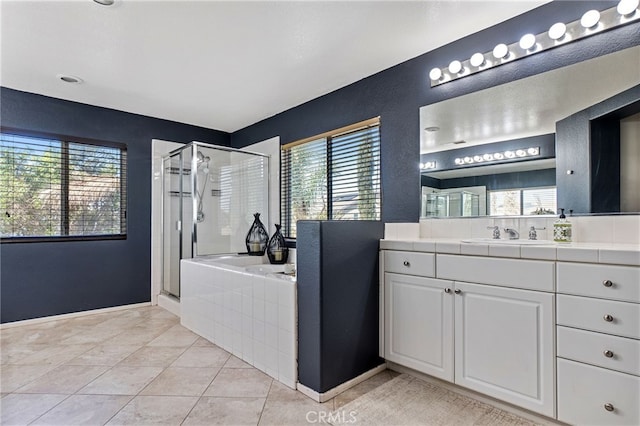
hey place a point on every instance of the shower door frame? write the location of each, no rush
(193, 146)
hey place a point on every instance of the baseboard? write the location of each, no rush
(332, 393)
(71, 315)
(169, 303)
(529, 415)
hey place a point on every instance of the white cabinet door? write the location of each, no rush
(419, 324)
(504, 340)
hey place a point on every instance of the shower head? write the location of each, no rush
(202, 160)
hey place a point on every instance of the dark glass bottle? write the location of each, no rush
(257, 237)
(277, 250)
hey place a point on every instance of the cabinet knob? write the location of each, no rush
(406, 263)
(608, 353)
(457, 291)
(607, 283)
(608, 406)
(608, 318)
(447, 290)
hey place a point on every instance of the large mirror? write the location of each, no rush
(520, 117)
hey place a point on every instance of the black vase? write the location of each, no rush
(277, 251)
(257, 237)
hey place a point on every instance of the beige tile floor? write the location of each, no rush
(140, 366)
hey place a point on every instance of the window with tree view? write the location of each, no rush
(529, 201)
(335, 176)
(56, 188)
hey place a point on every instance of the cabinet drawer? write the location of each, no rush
(604, 281)
(583, 391)
(525, 274)
(408, 262)
(617, 353)
(592, 314)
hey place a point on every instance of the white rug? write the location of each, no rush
(406, 400)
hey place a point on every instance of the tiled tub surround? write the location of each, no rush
(596, 274)
(243, 306)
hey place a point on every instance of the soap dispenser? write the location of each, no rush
(562, 229)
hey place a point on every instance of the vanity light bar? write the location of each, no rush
(592, 22)
(428, 165)
(497, 156)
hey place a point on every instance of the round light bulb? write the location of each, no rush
(478, 158)
(627, 7)
(435, 74)
(500, 51)
(422, 165)
(533, 151)
(498, 156)
(557, 31)
(459, 161)
(455, 67)
(521, 153)
(468, 160)
(509, 154)
(488, 157)
(477, 59)
(527, 41)
(590, 19)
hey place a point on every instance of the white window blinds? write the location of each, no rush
(334, 176)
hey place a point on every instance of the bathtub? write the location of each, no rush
(246, 307)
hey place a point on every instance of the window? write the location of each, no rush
(56, 188)
(516, 202)
(334, 176)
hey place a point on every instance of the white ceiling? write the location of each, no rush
(222, 65)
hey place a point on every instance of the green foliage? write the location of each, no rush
(32, 190)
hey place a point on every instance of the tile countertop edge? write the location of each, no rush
(617, 254)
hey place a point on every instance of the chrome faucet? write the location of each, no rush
(533, 235)
(496, 232)
(513, 234)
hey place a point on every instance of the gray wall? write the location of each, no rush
(337, 301)
(50, 278)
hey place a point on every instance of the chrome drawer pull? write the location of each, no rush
(608, 318)
(607, 283)
(457, 291)
(406, 263)
(608, 406)
(608, 353)
(447, 290)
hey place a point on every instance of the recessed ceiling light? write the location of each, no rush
(431, 129)
(104, 2)
(69, 78)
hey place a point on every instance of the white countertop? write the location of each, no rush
(618, 254)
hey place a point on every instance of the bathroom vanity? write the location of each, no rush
(550, 328)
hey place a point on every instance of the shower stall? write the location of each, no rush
(210, 194)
